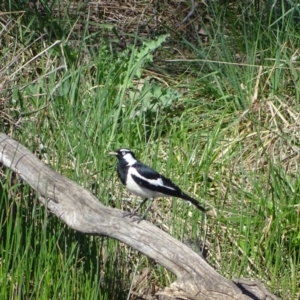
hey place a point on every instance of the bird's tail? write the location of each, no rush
(193, 201)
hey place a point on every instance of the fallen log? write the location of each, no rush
(82, 211)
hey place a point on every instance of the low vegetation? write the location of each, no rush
(212, 103)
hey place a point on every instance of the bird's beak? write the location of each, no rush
(112, 153)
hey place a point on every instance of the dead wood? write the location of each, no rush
(82, 211)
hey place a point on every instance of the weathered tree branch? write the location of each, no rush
(82, 211)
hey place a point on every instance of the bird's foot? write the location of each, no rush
(129, 214)
(134, 216)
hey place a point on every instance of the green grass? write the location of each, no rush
(223, 124)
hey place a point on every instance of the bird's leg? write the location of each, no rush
(147, 209)
(139, 219)
(131, 214)
(143, 217)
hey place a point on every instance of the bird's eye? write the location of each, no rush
(123, 153)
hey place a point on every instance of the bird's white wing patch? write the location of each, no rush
(157, 181)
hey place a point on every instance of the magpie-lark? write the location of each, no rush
(145, 182)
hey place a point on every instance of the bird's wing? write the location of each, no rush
(146, 171)
(152, 180)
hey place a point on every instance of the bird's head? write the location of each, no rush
(125, 154)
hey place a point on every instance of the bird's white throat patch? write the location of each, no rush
(129, 159)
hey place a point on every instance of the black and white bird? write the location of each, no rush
(145, 182)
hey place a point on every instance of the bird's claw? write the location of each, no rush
(134, 216)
